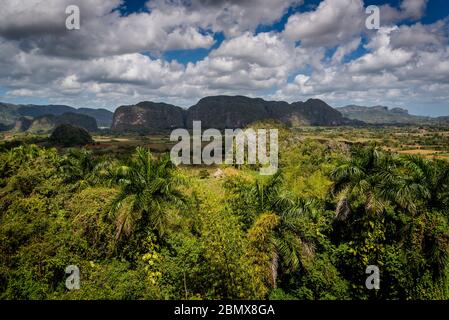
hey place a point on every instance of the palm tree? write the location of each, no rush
(425, 182)
(146, 187)
(425, 185)
(24, 153)
(78, 166)
(16, 157)
(373, 180)
(108, 173)
(356, 181)
(279, 239)
(276, 235)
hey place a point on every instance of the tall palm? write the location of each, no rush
(356, 181)
(147, 186)
(23, 154)
(108, 173)
(408, 184)
(78, 166)
(277, 233)
(14, 158)
(266, 193)
(427, 181)
(426, 186)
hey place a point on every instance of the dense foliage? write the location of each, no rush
(141, 228)
(67, 135)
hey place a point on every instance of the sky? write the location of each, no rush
(178, 51)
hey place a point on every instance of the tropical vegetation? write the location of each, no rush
(140, 228)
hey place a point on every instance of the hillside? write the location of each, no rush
(11, 113)
(442, 120)
(69, 136)
(47, 123)
(102, 116)
(148, 116)
(382, 115)
(319, 113)
(8, 115)
(225, 112)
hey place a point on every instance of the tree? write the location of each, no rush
(424, 184)
(78, 166)
(390, 212)
(355, 181)
(276, 234)
(147, 186)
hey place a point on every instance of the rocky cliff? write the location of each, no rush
(148, 117)
(12, 113)
(47, 123)
(225, 112)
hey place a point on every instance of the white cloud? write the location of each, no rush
(40, 25)
(233, 17)
(382, 56)
(409, 10)
(333, 22)
(345, 49)
(431, 36)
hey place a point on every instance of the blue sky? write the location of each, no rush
(179, 51)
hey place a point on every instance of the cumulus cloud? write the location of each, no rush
(383, 56)
(169, 25)
(409, 10)
(345, 49)
(232, 17)
(333, 22)
(252, 62)
(24, 19)
(431, 36)
(40, 25)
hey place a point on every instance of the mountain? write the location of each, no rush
(382, 115)
(36, 111)
(225, 112)
(22, 124)
(442, 120)
(103, 116)
(149, 117)
(47, 123)
(318, 113)
(10, 113)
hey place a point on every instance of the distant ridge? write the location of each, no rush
(47, 123)
(383, 115)
(10, 113)
(214, 111)
(225, 112)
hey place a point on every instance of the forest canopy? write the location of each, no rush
(140, 228)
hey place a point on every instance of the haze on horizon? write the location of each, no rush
(180, 51)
